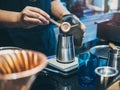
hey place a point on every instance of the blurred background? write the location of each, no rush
(82, 7)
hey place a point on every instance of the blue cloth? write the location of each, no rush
(41, 38)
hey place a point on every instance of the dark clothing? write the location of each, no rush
(40, 38)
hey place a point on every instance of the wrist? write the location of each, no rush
(71, 18)
(67, 15)
(9, 18)
(64, 14)
(18, 19)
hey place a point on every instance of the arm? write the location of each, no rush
(29, 17)
(89, 5)
(59, 11)
(62, 13)
(9, 19)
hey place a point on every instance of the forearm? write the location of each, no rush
(9, 19)
(57, 9)
(89, 5)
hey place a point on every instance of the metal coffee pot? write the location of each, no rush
(65, 49)
(114, 58)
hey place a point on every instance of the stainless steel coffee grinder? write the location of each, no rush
(65, 49)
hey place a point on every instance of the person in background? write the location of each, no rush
(26, 24)
(89, 4)
(80, 7)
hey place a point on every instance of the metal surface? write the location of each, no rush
(105, 75)
(100, 51)
(9, 47)
(114, 58)
(19, 68)
(65, 49)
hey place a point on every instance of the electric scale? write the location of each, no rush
(63, 68)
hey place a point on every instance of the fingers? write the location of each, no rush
(39, 11)
(98, 9)
(83, 26)
(32, 20)
(34, 16)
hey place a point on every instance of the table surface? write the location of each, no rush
(52, 81)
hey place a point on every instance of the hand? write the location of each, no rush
(97, 9)
(32, 16)
(77, 31)
(73, 20)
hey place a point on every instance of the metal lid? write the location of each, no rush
(100, 51)
(106, 71)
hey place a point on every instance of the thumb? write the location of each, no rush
(82, 26)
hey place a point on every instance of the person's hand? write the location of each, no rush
(32, 16)
(77, 30)
(97, 8)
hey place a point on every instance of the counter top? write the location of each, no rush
(52, 81)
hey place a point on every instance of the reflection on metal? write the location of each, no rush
(66, 87)
(105, 75)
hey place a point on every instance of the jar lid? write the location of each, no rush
(100, 51)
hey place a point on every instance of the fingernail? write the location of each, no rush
(48, 17)
(47, 22)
